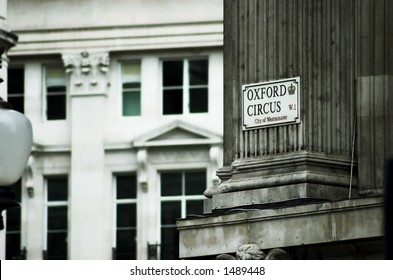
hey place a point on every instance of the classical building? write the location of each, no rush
(307, 131)
(125, 99)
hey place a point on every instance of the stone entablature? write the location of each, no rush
(345, 220)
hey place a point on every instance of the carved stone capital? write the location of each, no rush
(88, 72)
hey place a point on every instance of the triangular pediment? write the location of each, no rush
(178, 134)
(175, 134)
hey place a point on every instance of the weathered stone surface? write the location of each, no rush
(285, 227)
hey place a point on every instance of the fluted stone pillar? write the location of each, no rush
(374, 92)
(329, 45)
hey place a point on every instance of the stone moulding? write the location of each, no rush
(323, 222)
(281, 170)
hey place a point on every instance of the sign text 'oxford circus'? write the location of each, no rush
(271, 103)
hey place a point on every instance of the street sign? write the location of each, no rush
(271, 103)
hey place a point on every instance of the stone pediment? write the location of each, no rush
(177, 133)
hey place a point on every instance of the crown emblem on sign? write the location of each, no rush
(291, 89)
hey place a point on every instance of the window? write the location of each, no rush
(13, 227)
(185, 86)
(125, 213)
(57, 219)
(16, 86)
(56, 87)
(181, 195)
(131, 88)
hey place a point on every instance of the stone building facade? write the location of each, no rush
(310, 189)
(125, 99)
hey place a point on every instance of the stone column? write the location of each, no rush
(307, 161)
(374, 92)
(88, 90)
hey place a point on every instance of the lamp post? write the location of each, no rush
(16, 139)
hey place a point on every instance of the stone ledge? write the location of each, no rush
(284, 227)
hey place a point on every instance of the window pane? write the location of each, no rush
(57, 189)
(131, 84)
(195, 182)
(56, 83)
(169, 243)
(55, 76)
(173, 73)
(198, 70)
(13, 220)
(126, 215)
(125, 186)
(56, 107)
(16, 80)
(57, 246)
(17, 103)
(198, 100)
(131, 75)
(194, 207)
(12, 245)
(57, 218)
(170, 211)
(126, 244)
(171, 184)
(173, 101)
(131, 103)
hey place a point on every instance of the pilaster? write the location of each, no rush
(88, 90)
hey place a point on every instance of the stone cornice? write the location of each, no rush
(120, 38)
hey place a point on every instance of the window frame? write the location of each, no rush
(121, 89)
(116, 202)
(186, 86)
(183, 198)
(20, 232)
(55, 204)
(19, 94)
(45, 94)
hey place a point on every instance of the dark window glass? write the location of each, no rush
(57, 245)
(171, 184)
(17, 103)
(194, 207)
(55, 93)
(56, 107)
(13, 249)
(126, 244)
(16, 78)
(198, 100)
(16, 84)
(13, 226)
(13, 220)
(198, 70)
(173, 73)
(169, 243)
(195, 182)
(173, 101)
(57, 218)
(170, 211)
(126, 186)
(132, 85)
(126, 215)
(57, 189)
